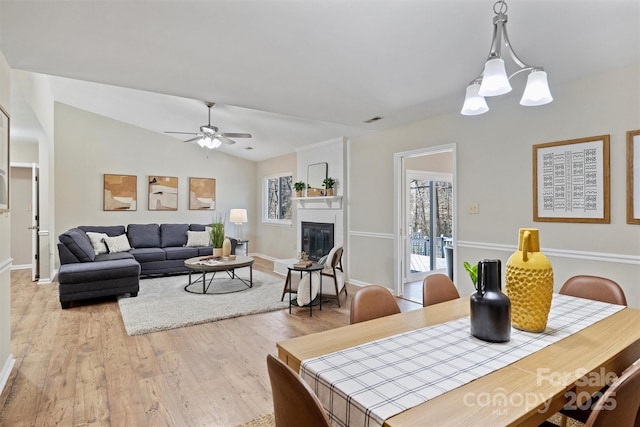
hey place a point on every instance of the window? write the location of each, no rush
(278, 190)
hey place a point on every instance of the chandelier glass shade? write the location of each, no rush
(494, 80)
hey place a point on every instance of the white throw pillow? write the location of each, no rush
(97, 241)
(198, 238)
(117, 244)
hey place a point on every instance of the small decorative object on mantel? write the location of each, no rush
(529, 283)
(328, 184)
(490, 308)
(299, 187)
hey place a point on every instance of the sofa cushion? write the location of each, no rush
(143, 255)
(115, 256)
(109, 230)
(181, 253)
(173, 234)
(197, 227)
(97, 241)
(198, 238)
(144, 235)
(117, 244)
(98, 271)
(78, 243)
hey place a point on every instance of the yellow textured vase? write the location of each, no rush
(529, 283)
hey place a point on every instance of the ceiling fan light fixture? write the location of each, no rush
(494, 80)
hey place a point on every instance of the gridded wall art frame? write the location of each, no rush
(571, 181)
(633, 177)
(202, 193)
(5, 170)
(163, 193)
(120, 192)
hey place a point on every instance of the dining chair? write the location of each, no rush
(437, 288)
(294, 403)
(333, 270)
(371, 302)
(594, 288)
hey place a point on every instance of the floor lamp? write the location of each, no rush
(238, 217)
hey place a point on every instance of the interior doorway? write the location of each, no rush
(25, 243)
(425, 206)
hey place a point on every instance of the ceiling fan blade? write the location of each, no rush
(236, 135)
(225, 140)
(194, 139)
(185, 133)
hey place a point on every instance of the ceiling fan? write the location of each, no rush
(209, 137)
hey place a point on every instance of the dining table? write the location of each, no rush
(585, 345)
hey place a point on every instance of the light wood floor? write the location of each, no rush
(78, 367)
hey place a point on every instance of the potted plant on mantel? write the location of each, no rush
(299, 187)
(328, 184)
(217, 235)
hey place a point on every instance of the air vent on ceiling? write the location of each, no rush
(248, 148)
(373, 119)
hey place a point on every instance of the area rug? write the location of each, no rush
(162, 303)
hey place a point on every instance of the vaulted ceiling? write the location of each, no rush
(296, 72)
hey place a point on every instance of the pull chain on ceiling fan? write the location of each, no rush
(209, 137)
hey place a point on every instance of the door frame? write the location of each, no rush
(399, 196)
(35, 218)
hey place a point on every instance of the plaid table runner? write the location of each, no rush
(366, 384)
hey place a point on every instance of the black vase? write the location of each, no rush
(490, 308)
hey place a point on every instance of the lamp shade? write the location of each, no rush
(238, 216)
(537, 90)
(494, 79)
(474, 104)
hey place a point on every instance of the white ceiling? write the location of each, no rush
(296, 72)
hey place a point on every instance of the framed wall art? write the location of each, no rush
(571, 181)
(5, 171)
(202, 193)
(633, 177)
(120, 192)
(163, 193)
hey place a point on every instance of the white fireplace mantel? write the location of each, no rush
(320, 202)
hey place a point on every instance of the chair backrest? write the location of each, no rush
(620, 404)
(336, 261)
(294, 403)
(437, 288)
(371, 302)
(594, 288)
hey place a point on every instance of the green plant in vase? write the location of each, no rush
(217, 235)
(299, 187)
(473, 273)
(328, 184)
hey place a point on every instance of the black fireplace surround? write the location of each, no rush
(317, 239)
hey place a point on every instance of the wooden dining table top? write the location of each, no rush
(524, 393)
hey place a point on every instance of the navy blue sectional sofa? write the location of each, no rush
(90, 267)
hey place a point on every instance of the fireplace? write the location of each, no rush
(317, 239)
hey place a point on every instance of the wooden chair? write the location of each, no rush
(437, 288)
(332, 267)
(294, 403)
(371, 302)
(594, 288)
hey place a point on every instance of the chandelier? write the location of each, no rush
(494, 81)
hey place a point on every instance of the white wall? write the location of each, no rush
(494, 167)
(89, 145)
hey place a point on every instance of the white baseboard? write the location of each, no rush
(21, 267)
(6, 371)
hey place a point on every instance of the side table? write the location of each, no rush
(310, 269)
(245, 244)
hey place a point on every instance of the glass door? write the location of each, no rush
(429, 217)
